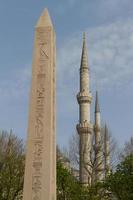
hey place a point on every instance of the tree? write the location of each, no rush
(120, 183)
(68, 187)
(74, 151)
(128, 149)
(12, 159)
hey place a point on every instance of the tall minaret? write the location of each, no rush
(98, 144)
(84, 127)
(107, 151)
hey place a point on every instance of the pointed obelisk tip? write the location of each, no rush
(45, 19)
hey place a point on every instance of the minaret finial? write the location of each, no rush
(97, 107)
(84, 57)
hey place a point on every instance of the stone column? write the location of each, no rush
(40, 169)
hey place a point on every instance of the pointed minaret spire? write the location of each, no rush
(84, 69)
(107, 151)
(84, 57)
(98, 144)
(84, 127)
(106, 132)
(97, 107)
(45, 19)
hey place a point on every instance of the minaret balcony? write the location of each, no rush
(84, 97)
(84, 127)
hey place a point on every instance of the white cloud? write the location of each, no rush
(110, 56)
(110, 49)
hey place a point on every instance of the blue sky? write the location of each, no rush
(109, 28)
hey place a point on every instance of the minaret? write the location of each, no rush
(107, 151)
(98, 144)
(84, 127)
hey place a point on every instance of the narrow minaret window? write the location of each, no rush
(98, 165)
(107, 151)
(84, 127)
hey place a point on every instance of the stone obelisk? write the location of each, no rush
(40, 170)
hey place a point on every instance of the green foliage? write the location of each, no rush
(98, 192)
(12, 157)
(120, 183)
(11, 166)
(67, 186)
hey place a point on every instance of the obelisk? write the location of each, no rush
(40, 169)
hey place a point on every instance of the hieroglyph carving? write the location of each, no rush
(43, 62)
